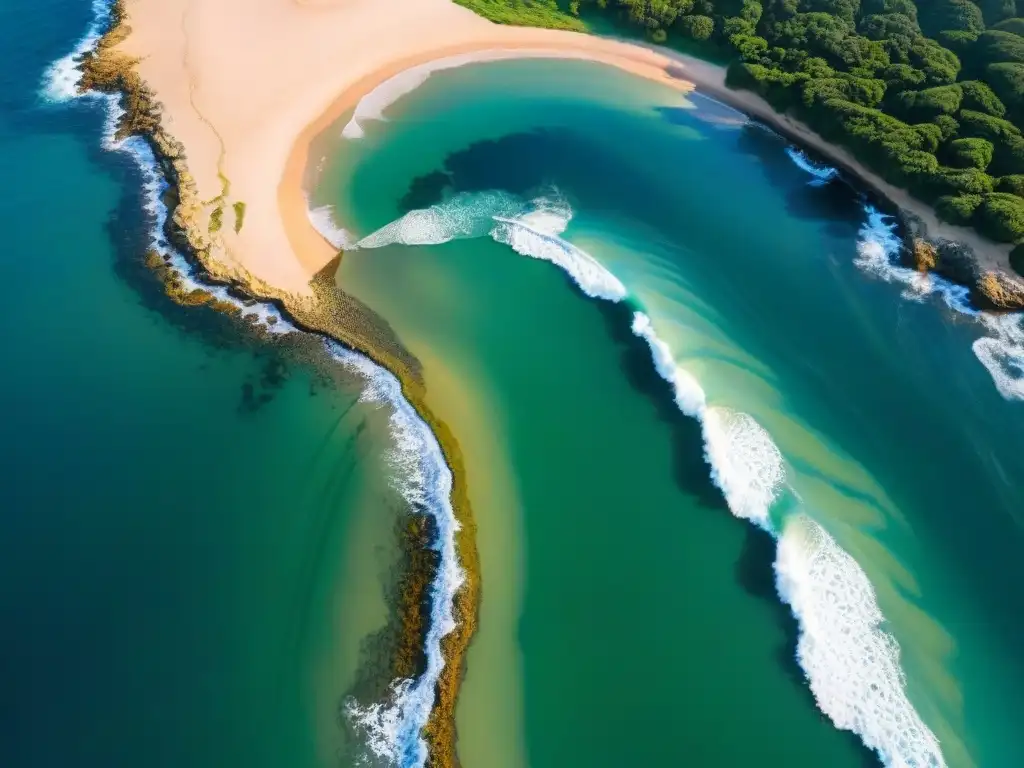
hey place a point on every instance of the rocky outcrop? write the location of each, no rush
(999, 290)
(925, 255)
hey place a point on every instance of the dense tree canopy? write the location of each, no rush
(928, 93)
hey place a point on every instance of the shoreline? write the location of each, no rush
(956, 253)
(326, 311)
(333, 317)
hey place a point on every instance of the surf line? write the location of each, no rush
(394, 730)
(836, 636)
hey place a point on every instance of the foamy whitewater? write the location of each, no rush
(392, 729)
(852, 665)
(822, 173)
(1001, 351)
(373, 105)
(530, 228)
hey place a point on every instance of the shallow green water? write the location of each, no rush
(195, 526)
(644, 616)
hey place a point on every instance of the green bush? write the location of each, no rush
(957, 209)
(960, 15)
(930, 103)
(1001, 217)
(1012, 184)
(980, 98)
(947, 126)
(697, 27)
(1014, 26)
(969, 153)
(997, 10)
(1007, 80)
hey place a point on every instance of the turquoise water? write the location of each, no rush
(197, 527)
(733, 337)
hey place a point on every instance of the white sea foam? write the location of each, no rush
(466, 215)
(61, 85)
(61, 79)
(322, 219)
(374, 104)
(822, 173)
(1001, 351)
(745, 464)
(530, 228)
(393, 729)
(852, 664)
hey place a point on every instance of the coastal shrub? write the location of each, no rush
(239, 215)
(1007, 80)
(867, 92)
(697, 27)
(1008, 157)
(931, 136)
(947, 126)
(904, 7)
(1012, 184)
(957, 209)
(931, 102)
(940, 65)
(1014, 26)
(969, 153)
(980, 98)
(995, 46)
(897, 29)
(982, 126)
(901, 77)
(525, 13)
(939, 15)
(958, 41)
(997, 10)
(1001, 217)
(956, 181)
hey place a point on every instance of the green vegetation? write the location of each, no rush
(239, 215)
(927, 93)
(216, 219)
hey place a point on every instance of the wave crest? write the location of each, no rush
(531, 228)
(822, 173)
(852, 664)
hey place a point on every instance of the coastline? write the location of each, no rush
(318, 307)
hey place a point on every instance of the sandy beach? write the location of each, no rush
(245, 111)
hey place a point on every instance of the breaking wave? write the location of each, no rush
(61, 79)
(322, 219)
(852, 665)
(822, 173)
(530, 228)
(1001, 350)
(392, 729)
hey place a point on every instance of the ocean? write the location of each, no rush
(745, 487)
(199, 511)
